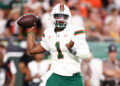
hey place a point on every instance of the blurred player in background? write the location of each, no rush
(9, 65)
(36, 69)
(86, 71)
(7, 71)
(3, 70)
(111, 68)
(24, 60)
(91, 76)
(66, 44)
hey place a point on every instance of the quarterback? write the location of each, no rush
(67, 46)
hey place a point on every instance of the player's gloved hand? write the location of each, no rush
(70, 45)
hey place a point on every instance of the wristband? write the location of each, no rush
(30, 32)
(73, 52)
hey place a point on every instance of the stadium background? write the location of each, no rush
(95, 15)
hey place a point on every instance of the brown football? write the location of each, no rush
(27, 21)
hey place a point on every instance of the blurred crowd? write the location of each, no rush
(31, 67)
(101, 19)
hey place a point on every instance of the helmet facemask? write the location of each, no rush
(60, 20)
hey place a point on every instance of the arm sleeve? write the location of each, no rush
(82, 49)
(80, 44)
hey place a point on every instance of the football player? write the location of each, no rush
(67, 46)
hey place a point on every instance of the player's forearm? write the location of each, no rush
(83, 55)
(12, 82)
(83, 50)
(30, 41)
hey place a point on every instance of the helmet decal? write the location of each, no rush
(61, 7)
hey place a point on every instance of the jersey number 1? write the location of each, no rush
(60, 55)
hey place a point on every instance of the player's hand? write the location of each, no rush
(37, 76)
(70, 45)
(32, 28)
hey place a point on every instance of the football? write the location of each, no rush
(27, 21)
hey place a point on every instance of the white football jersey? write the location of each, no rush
(65, 63)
